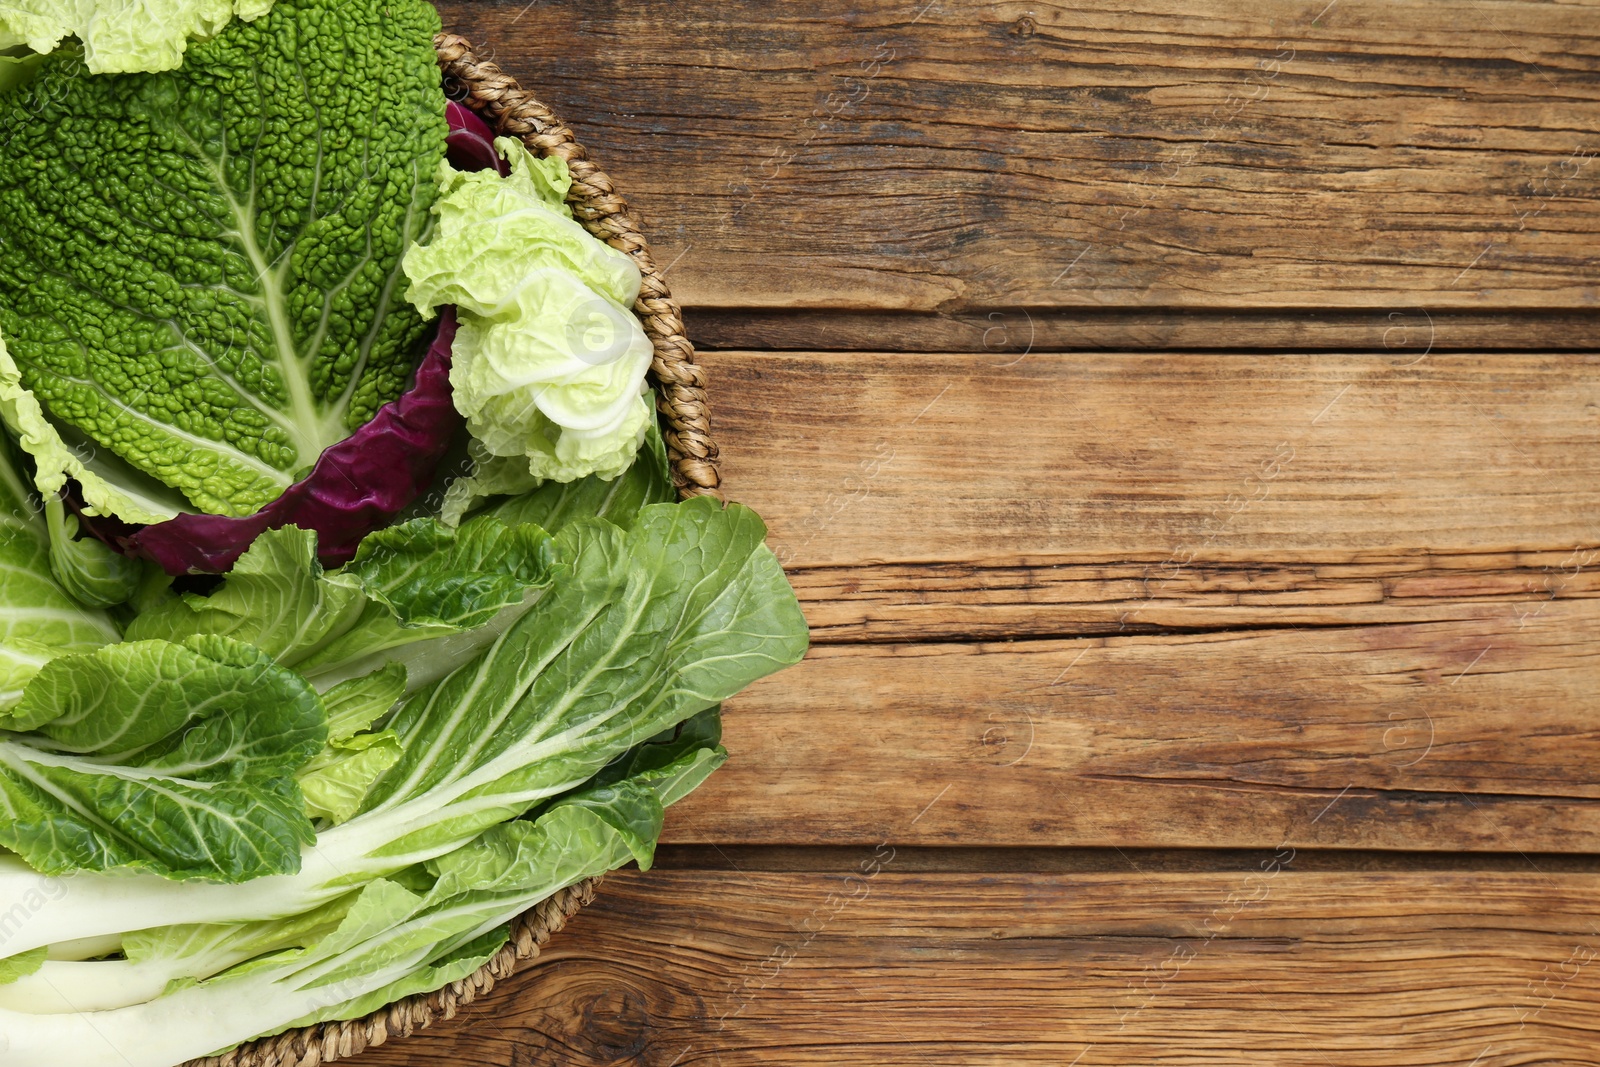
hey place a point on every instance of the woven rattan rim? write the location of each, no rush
(685, 423)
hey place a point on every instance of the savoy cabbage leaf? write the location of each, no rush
(200, 274)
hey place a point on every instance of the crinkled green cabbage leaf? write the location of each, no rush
(200, 269)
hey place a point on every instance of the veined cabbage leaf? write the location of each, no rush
(177, 759)
(200, 273)
(648, 480)
(339, 777)
(415, 582)
(95, 574)
(39, 621)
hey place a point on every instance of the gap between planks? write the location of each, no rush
(1396, 331)
(1131, 860)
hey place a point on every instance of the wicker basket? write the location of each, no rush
(680, 388)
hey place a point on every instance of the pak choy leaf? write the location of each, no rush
(276, 598)
(639, 631)
(95, 574)
(686, 753)
(200, 268)
(429, 573)
(339, 778)
(510, 867)
(355, 705)
(174, 759)
(631, 792)
(15, 968)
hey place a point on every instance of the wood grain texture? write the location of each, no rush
(1323, 576)
(865, 964)
(978, 859)
(1047, 596)
(858, 458)
(950, 154)
(1476, 734)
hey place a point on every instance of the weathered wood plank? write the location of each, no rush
(1059, 596)
(1171, 459)
(1476, 734)
(948, 154)
(1396, 559)
(1265, 966)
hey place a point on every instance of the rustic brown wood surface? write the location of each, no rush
(1252, 966)
(1179, 421)
(954, 155)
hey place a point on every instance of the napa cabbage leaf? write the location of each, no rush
(549, 360)
(119, 36)
(422, 929)
(40, 620)
(173, 758)
(638, 631)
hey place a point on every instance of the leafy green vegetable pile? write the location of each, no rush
(249, 313)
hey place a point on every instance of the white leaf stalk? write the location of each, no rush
(201, 1019)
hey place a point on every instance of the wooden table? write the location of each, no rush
(1179, 419)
